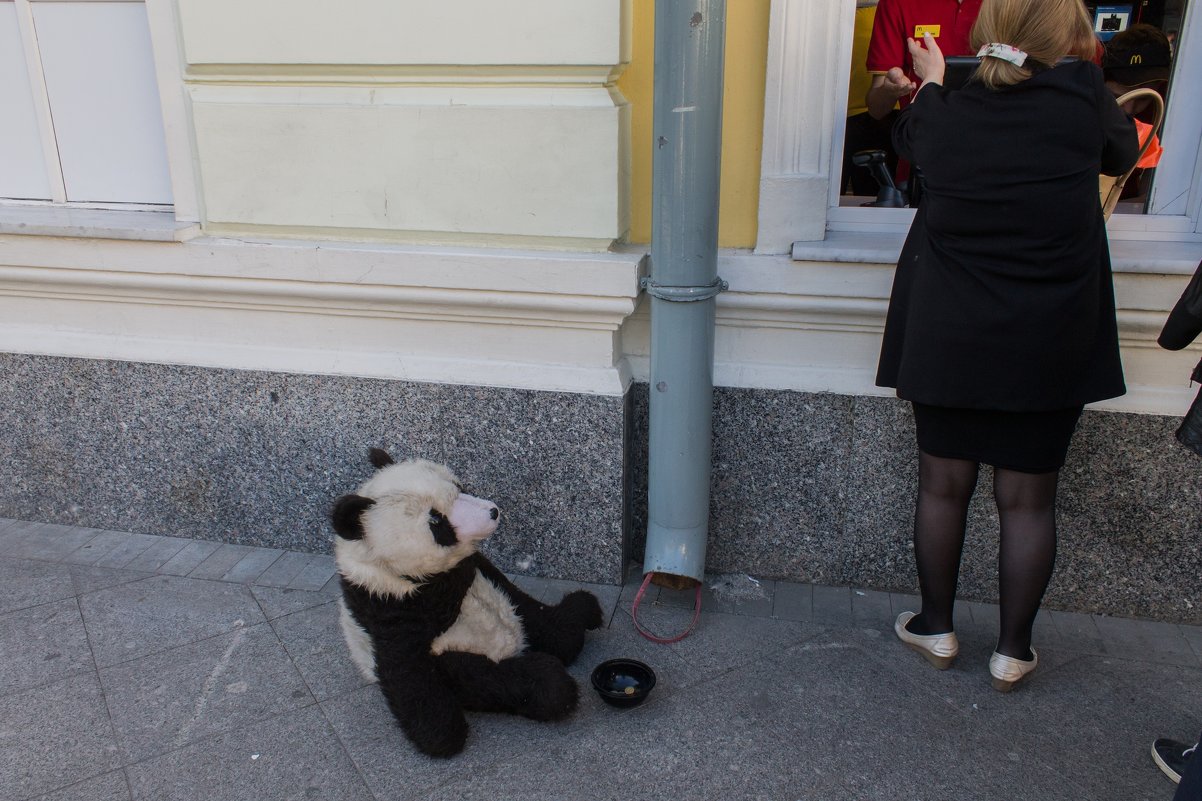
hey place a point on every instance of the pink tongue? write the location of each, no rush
(472, 518)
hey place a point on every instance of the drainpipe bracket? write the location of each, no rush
(683, 294)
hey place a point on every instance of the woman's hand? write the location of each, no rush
(928, 62)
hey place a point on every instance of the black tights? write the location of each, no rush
(1026, 504)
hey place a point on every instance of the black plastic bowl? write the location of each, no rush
(623, 682)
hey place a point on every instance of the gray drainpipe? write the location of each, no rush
(689, 45)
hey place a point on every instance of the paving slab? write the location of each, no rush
(1146, 639)
(96, 547)
(722, 643)
(189, 558)
(781, 728)
(41, 645)
(315, 644)
(1193, 635)
(793, 601)
(906, 602)
(278, 601)
(254, 564)
(163, 702)
(46, 541)
(734, 736)
(108, 787)
(832, 605)
(162, 551)
(163, 612)
(804, 694)
(54, 736)
(292, 756)
(1078, 631)
(1117, 707)
(221, 561)
(29, 582)
(88, 578)
(552, 773)
(871, 609)
(133, 547)
(285, 569)
(315, 575)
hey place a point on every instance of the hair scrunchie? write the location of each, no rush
(1003, 51)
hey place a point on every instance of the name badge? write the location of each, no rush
(921, 30)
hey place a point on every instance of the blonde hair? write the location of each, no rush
(1046, 30)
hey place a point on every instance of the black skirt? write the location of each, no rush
(1028, 442)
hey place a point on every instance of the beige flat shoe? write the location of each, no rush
(1008, 671)
(939, 649)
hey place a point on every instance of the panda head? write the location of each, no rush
(409, 521)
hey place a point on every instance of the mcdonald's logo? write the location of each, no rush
(1136, 59)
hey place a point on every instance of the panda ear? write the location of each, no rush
(347, 516)
(380, 458)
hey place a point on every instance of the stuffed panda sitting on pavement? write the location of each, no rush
(434, 622)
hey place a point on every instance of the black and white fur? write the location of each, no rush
(431, 619)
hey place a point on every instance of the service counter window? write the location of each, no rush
(1154, 44)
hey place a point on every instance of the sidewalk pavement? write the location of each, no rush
(142, 667)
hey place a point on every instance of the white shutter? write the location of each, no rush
(22, 164)
(100, 79)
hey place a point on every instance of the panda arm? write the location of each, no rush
(557, 630)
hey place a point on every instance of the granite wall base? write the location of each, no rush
(258, 458)
(806, 487)
(820, 488)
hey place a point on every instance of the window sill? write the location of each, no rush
(148, 226)
(1126, 255)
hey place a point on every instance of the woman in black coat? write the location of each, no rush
(1001, 324)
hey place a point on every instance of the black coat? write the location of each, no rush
(1184, 324)
(1003, 297)
(1183, 327)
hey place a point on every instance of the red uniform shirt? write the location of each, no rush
(949, 21)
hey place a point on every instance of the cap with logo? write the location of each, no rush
(1138, 56)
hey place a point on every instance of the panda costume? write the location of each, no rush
(429, 617)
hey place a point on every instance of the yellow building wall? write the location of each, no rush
(742, 119)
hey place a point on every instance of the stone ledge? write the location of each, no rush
(63, 221)
(1127, 255)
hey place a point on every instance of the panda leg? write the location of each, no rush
(534, 685)
(425, 706)
(559, 630)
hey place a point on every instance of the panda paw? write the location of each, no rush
(550, 693)
(583, 606)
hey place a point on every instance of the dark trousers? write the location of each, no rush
(1190, 788)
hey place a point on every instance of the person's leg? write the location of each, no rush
(1190, 787)
(945, 487)
(1026, 504)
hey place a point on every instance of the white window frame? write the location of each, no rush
(167, 53)
(809, 61)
